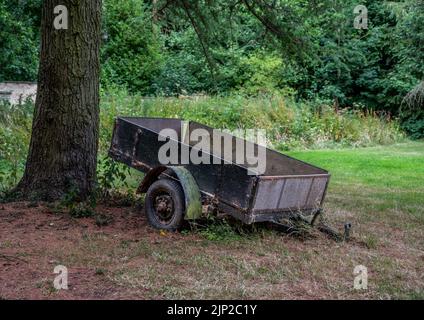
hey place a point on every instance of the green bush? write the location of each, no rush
(260, 73)
(184, 70)
(15, 128)
(412, 112)
(130, 53)
(82, 210)
(19, 40)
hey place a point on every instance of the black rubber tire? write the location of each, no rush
(172, 190)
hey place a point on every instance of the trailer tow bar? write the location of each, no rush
(347, 228)
(324, 228)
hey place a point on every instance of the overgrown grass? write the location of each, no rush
(15, 128)
(289, 125)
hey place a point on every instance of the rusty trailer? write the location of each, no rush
(177, 191)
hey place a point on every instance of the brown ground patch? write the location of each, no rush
(128, 260)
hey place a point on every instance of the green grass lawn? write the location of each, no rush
(380, 178)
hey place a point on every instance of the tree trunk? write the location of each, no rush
(64, 141)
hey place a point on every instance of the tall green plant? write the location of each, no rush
(19, 36)
(131, 51)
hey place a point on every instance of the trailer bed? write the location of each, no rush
(287, 186)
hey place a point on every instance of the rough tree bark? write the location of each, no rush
(64, 141)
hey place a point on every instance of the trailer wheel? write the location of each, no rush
(164, 205)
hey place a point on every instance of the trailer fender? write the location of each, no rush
(193, 202)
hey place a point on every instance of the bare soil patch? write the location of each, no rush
(127, 259)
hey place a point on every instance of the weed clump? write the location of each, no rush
(82, 210)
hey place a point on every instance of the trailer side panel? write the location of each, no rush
(290, 193)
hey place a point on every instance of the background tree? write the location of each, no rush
(19, 39)
(129, 43)
(64, 141)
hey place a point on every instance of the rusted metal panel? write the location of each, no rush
(316, 195)
(288, 193)
(295, 193)
(268, 194)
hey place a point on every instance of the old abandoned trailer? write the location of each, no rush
(287, 187)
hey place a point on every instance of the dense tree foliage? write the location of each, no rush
(19, 39)
(130, 53)
(307, 49)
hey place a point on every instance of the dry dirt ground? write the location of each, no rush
(126, 259)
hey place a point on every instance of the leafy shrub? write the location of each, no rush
(260, 73)
(82, 210)
(19, 23)
(110, 173)
(131, 52)
(77, 208)
(15, 128)
(183, 70)
(412, 112)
